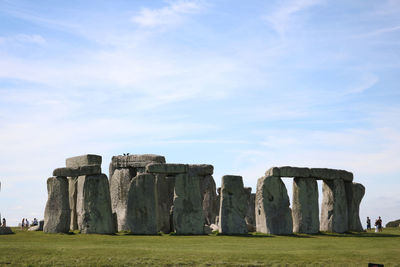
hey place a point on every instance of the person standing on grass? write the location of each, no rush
(23, 224)
(4, 222)
(368, 223)
(26, 223)
(379, 224)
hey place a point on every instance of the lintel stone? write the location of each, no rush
(84, 160)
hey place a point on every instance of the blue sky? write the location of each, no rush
(240, 85)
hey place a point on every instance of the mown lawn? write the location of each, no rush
(40, 249)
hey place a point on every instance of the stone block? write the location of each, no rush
(77, 171)
(201, 169)
(83, 160)
(354, 193)
(168, 168)
(331, 174)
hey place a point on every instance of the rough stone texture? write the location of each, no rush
(202, 169)
(6, 231)
(77, 171)
(187, 211)
(331, 174)
(334, 214)
(38, 227)
(395, 223)
(83, 160)
(317, 173)
(72, 190)
(207, 229)
(354, 193)
(250, 211)
(119, 188)
(57, 214)
(208, 197)
(233, 206)
(167, 168)
(305, 210)
(134, 161)
(273, 215)
(141, 210)
(165, 198)
(94, 205)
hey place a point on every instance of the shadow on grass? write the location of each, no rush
(358, 234)
(251, 235)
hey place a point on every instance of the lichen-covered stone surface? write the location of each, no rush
(316, 173)
(119, 187)
(141, 209)
(72, 192)
(165, 198)
(233, 206)
(334, 214)
(94, 205)
(305, 210)
(57, 214)
(84, 160)
(187, 210)
(354, 193)
(273, 214)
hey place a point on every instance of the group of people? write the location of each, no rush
(378, 224)
(25, 223)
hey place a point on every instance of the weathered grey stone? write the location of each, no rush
(6, 231)
(167, 168)
(187, 211)
(288, 171)
(141, 210)
(201, 169)
(305, 211)
(331, 174)
(134, 161)
(165, 198)
(250, 211)
(72, 190)
(38, 227)
(354, 193)
(273, 215)
(334, 214)
(57, 214)
(208, 196)
(83, 160)
(93, 205)
(233, 206)
(119, 188)
(77, 171)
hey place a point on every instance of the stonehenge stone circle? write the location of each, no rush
(334, 214)
(305, 210)
(137, 162)
(354, 193)
(73, 191)
(273, 215)
(187, 211)
(84, 160)
(233, 206)
(119, 188)
(57, 214)
(94, 205)
(317, 173)
(141, 209)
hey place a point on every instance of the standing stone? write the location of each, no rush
(273, 215)
(119, 187)
(187, 211)
(250, 211)
(334, 214)
(305, 206)
(164, 200)
(57, 214)
(141, 210)
(233, 206)
(94, 205)
(354, 192)
(72, 185)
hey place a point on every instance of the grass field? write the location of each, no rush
(40, 249)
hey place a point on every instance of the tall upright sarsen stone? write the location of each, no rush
(187, 212)
(305, 206)
(119, 187)
(273, 214)
(94, 205)
(142, 209)
(334, 214)
(354, 192)
(57, 213)
(73, 186)
(233, 206)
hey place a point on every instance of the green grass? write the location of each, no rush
(352, 249)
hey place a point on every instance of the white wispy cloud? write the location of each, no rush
(171, 14)
(283, 17)
(24, 38)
